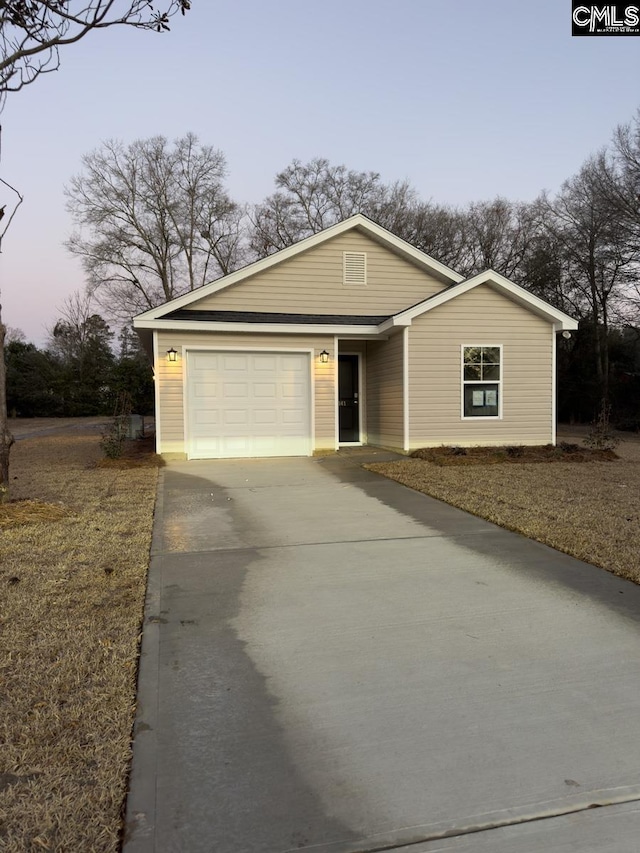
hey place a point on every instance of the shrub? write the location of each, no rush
(515, 451)
(601, 436)
(114, 435)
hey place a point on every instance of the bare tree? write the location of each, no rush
(499, 235)
(31, 35)
(155, 221)
(312, 196)
(440, 231)
(69, 335)
(13, 335)
(32, 32)
(598, 261)
(6, 438)
(617, 175)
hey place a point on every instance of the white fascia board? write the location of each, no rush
(267, 328)
(381, 235)
(398, 321)
(519, 294)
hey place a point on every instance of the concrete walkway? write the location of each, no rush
(332, 662)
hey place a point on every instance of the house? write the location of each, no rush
(351, 336)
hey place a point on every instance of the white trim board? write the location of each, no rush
(266, 328)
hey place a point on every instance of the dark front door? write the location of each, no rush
(348, 403)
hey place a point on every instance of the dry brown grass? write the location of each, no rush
(590, 510)
(135, 454)
(71, 602)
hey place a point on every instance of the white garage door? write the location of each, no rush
(248, 404)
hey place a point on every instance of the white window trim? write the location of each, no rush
(464, 382)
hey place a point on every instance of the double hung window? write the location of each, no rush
(482, 381)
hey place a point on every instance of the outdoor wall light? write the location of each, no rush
(324, 356)
(172, 354)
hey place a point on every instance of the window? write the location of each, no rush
(354, 269)
(481, 381)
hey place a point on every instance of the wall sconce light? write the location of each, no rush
(172, 354)
(324, 356)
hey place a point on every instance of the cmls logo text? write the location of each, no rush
(605, 19)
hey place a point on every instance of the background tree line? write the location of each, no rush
(156, 220)
(81, 371)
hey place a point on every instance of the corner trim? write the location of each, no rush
(156, 391)
(405, 388)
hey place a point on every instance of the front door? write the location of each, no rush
(348, 403)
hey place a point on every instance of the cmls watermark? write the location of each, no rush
(605, 19)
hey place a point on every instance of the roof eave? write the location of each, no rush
(266, 328)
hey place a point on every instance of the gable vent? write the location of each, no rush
(355, 269)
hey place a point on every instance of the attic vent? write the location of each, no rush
(355, 269)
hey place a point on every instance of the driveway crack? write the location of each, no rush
(473, 829)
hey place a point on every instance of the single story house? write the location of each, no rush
(351, 336)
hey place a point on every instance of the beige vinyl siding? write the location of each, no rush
(481, 316)
(384, 395)
(312, 282)
(171, 380)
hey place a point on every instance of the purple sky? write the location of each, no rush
(466, 100)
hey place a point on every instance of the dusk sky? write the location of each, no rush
(466, 100)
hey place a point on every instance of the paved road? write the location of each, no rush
(332, 662)
(24, 428)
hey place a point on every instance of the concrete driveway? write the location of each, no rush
(332, 662)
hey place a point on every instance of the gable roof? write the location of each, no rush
(358, 222)
(514, 291)
(277, 317)
(177, 315)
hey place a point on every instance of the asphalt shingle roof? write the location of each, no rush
(273, 317)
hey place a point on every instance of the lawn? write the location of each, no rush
(74, 554)
(589, 509)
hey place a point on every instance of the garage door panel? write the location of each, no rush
(248, 404)
(201, 360)
(206, 448)
(265, 362)
(207, 417)
(293, 392)
(235, 362)
(264, 417)
(292, 417)
(239, 445)
(236, 417)
(235, 389)
(205, 390)
(265, 389)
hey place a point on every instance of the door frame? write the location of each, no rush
(361, 406)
